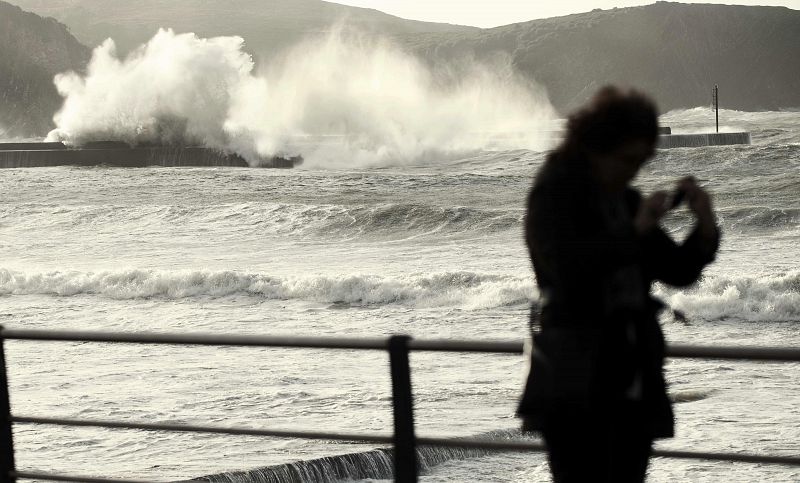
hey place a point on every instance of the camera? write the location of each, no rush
(677, 198)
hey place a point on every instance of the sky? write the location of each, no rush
(491, 13)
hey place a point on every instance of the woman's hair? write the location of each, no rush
(613, 118)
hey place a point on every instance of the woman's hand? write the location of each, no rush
(651, 210)
(655, 206)
(700, 203)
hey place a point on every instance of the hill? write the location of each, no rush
(676, 52)
(32, 50)
(266, 25)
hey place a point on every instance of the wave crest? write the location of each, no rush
(763, 298)
(381, 220)
(464, 289)
(761, 217)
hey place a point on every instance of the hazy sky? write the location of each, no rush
(491, 13)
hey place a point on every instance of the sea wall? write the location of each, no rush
(376, 464)
(32, 155)
(700, 140)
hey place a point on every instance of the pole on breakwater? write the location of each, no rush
(716, 104)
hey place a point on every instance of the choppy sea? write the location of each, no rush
(434, 250)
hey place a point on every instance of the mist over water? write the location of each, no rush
(174, 88)
(346, 98)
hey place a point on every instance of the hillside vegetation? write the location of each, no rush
(676, 52)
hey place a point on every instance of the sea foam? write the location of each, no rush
(752, 298)
(765, 298)
(372, 101)
(462, 289)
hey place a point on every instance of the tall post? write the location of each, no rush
(716, 104)
(405, 444)
(6, 435)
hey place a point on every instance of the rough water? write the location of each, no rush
(432, 249)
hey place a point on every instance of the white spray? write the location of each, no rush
(343, 98)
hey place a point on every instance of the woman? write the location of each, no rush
(596, 388)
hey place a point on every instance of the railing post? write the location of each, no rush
(405, 445)
(6, 435)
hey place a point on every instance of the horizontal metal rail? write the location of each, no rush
(469, 443)
(189, 428)
(775, 354)
(247, 340)
(771, 354)
(38, 475)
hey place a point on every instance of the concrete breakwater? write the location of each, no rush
(667, 141)
(118, 154)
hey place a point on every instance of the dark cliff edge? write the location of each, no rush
(676, 52)
(32, 50)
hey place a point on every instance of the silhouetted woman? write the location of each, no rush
(596, 388)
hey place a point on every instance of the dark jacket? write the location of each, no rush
(597, 341)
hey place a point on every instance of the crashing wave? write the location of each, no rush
(466, 289)
(753, 298)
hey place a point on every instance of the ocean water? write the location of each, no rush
(434, 250)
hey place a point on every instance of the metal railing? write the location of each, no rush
(403, 438)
